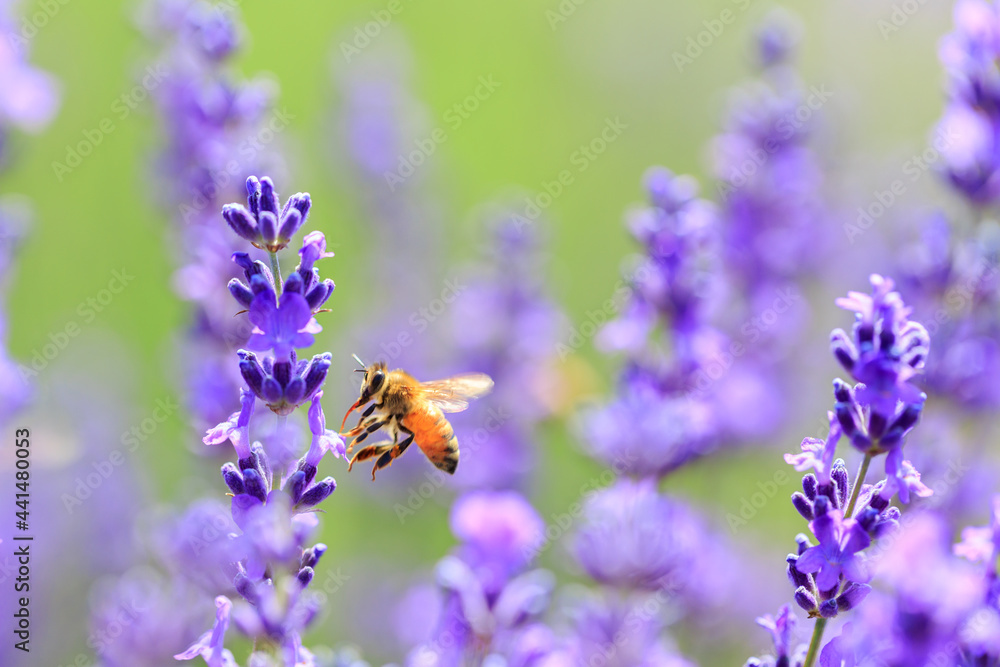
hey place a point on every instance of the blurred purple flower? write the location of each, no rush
(31, 96)
(209, 645)
(968, 135)
(205, 113)
(632, 538)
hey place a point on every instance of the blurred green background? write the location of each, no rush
(558, 84)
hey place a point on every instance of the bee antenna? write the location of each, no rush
(358, 359)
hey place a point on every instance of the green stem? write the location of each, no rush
(858, 481)
(275, 271)
(817, 639)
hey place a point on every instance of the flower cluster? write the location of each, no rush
(504, 324)
(884, 353)
(969, 131)
(770, 179)
(206, 113)
(274, 508)
(932, 608)
(491, 601)
(672, 287)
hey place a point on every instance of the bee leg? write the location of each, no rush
(371, 428)
(401, 447)
(370, 451)
(364, 423)
(394, 452)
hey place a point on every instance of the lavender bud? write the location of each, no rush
(253, 195)
(794, 576)
(810, 485)
(295, 485)
(318, 493)
(305, 575)
(852, 596)
(293, 283)
(841, 480)
(802, 505)
(268, 198)
(805, 599)
(290, 223)
(233, 478)
(240, 292)
(268, 228)
(263, 464)
(241, 222)
(828, 608)
(254, 484)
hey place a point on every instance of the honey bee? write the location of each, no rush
(404, 406)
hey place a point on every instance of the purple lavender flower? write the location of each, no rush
(491, 603)
(206, 113)
(885, 350)
(770, 180)
(209, 645)
(932, 607)
(261, 222)
(633, 538)
(620, 632)
(504, 324)
(31, 96)
(884, 353)
(970, 127)
(782, 631)
(836, 555)
(141, 619)
(282, 325)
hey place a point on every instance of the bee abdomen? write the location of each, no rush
(449, 461)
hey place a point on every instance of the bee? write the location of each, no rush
(406, 407)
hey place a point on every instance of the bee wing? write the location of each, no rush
(453, 394)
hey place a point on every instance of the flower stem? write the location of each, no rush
(858, 481)
(275, 271)
(814, 643)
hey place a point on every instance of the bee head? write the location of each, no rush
(373, 383)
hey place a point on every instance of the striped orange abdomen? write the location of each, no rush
(434, 435)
